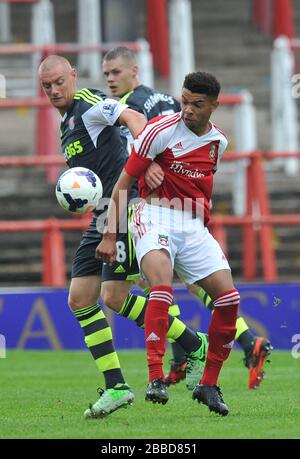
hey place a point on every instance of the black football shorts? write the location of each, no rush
(85, 264)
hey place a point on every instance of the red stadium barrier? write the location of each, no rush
(158, 34)
(53, 252)
(31, 161)
(274, 17)
(262, 15)
(283, 22)
(46, 128)
(20, 1)
(62, 48)
(230, 99)
(249, 236)
(35, 102)
(47, 139)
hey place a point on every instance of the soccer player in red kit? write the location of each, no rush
(169, 228)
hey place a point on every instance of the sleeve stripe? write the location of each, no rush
(82, 96)
(88, 92)
(88, 96)
(152, 133)
(79, 97)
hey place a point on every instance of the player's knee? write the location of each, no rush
(79, 301)
(74, 302)
(112, 299)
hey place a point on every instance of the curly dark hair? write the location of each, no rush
(202, 83)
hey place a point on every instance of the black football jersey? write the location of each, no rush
(89, 137)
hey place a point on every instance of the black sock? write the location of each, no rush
(246, 341)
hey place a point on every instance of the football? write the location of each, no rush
(78, 190)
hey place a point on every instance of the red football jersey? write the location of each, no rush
(187, 160)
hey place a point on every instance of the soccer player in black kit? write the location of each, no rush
(120, 71)
(90, 137)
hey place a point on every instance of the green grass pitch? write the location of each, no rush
(44, 394)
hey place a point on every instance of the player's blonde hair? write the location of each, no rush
(121, 51)
(52, 60)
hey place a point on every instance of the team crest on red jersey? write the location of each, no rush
(213, 152)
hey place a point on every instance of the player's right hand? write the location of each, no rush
(106, 251)
(154, 176)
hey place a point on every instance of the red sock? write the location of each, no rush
(221, 335)
(156, 326)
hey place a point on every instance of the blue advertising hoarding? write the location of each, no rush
(41, 319)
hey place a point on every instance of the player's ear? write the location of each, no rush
(135, 70)
(74, 72)
(215, 104)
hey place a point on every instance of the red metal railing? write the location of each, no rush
(274, 17)
(262, 15)
(62, 48)
(31, 161)
(20, 1)
(46, 128)
(257, 223)
(158, 35)
(53, 246)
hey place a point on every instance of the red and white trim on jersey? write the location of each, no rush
(136, 219)
(155, 129)
(218, 129)
(230, 298)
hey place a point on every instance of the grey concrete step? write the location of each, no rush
(236, 56)
(214, 9)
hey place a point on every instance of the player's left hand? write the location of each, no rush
(106, 251)
(154, 176)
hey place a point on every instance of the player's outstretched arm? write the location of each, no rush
(135, 121)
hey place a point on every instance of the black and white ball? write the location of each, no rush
(78, 190)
